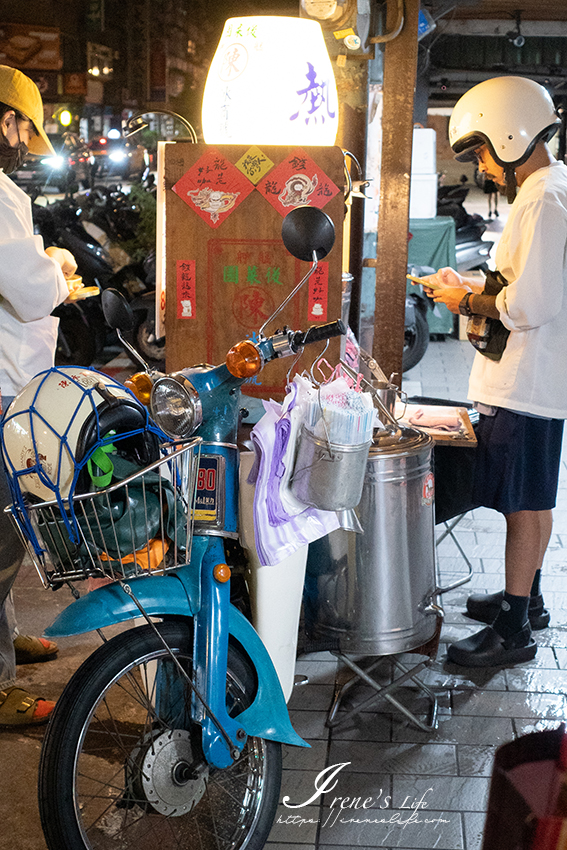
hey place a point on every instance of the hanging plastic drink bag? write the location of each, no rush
(279, 533)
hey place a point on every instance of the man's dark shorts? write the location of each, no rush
(517, 462)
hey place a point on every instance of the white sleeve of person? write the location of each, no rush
(30, 281)
(537, 272)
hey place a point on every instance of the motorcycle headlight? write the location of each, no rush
(176, 406)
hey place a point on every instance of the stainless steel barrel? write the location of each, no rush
(374, 593)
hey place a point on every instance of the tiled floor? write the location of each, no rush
(400, 787)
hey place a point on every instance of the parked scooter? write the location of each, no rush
(82, 331)
(113, 211)
(472, 251)
(169, 734)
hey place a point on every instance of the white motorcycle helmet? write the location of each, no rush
(509, 115)
(58, 421)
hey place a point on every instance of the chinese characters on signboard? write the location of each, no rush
(213, 187)
(186, 307)
(315, 105)
(295, 182)
(318, 293)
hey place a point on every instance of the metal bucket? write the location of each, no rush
(389, 394)
(374, 593)
(327, 475)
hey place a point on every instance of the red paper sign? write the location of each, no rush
(213, 187)
(318, 291)
(186, 304)
(296, 182)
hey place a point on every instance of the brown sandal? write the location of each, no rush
(20, 708)
(30, 650)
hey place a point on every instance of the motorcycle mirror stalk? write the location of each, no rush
(308, 234)
(119, 316)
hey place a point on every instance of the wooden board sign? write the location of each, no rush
(226, 266)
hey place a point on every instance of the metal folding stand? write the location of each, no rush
(408, 674)
(450, 526)
(383, 691)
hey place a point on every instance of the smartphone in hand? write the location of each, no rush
(425, 283)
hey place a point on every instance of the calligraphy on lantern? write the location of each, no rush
(186, 289)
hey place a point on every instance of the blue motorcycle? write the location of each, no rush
(170, 734)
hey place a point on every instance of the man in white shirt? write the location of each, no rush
(504, 125)
(32, 283)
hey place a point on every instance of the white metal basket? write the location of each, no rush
(141, 525)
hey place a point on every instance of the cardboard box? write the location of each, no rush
(423, 196)
(424, 151)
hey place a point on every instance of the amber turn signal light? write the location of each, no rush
(244, 360)
(141, 385)
(221, 573)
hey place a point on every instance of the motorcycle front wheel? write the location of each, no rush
(122, 765)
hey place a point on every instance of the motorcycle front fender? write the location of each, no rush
(268, 716)
(410, 311)
(174, 595)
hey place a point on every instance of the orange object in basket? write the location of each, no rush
(144, 559)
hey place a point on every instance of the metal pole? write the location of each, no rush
(400, 66)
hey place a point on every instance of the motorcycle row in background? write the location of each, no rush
(111, 233)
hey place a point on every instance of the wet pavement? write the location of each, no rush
(388, 783)
(384, 761)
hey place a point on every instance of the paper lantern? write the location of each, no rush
(271, 82)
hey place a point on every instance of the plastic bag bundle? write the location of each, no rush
(338, 413)
(282, 523)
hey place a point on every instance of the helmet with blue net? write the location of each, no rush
(58, 431)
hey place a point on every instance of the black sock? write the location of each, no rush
(512, 615)
(536, 586)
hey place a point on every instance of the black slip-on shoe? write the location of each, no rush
(486, 606)
(487, 649)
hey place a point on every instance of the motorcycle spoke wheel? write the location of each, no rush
(122, 767)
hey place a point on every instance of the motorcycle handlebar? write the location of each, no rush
(318, 333)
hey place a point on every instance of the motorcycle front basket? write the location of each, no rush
(140, 525)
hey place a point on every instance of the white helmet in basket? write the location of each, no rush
(509, 114)
(59, 419)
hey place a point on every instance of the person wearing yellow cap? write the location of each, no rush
(32, 283)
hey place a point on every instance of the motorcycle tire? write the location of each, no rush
(118, 770)
(144, 340)
(416, 340)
